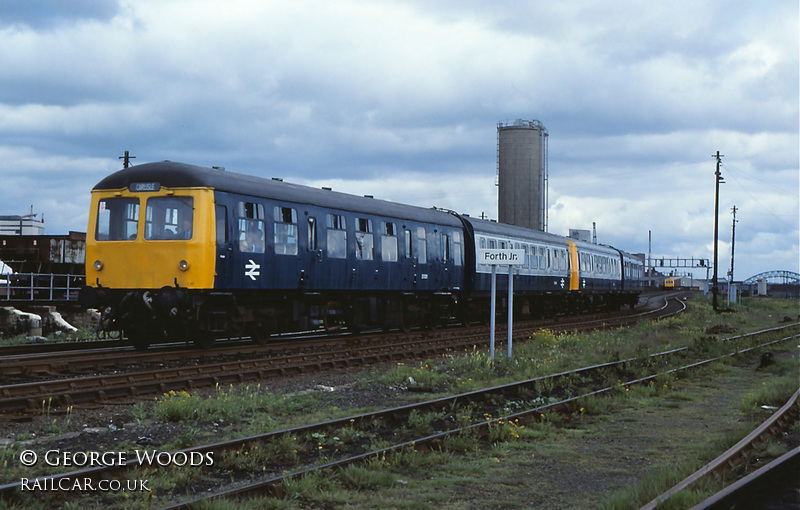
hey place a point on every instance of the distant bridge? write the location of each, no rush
(775, 278)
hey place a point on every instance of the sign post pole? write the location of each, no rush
(500, 257)
(510, 305)
(493, 308)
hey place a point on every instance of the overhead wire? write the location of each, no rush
(732, 174)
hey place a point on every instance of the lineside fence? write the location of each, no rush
(40, 287)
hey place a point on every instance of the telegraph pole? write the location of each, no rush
(733, 239)
(126, 160)
(714, 288)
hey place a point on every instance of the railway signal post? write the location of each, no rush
(494, 258)
(719, 179)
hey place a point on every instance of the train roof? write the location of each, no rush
(515, 232)
(180, 175)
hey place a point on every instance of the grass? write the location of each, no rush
(83, 334)
(517, 466)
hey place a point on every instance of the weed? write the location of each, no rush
(770, 395)
(421, 424)
(425, 377)
(350, 434)
(233, 404)
(53, 425)
(366, 477)
(307, 485)
(505, 431)
(464, 441)
(186, 437)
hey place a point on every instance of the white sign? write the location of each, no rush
(501, 257)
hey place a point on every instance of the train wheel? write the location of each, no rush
(140, 337)
(203, 339)
(465, 316)
(139, 340)
(258, 334)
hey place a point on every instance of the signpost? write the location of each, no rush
(494, 258)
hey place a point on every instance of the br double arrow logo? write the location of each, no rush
(252, 269)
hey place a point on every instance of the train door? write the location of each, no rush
(334, 253)
(366, 273)
(407, 262)
(311, 259)
(447, 265)
(249, 266)
(389, 259)
(224, 245)
(421, 255)
(286, 267)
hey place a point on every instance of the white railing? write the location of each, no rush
(40, 287)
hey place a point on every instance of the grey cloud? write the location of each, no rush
(49, 14)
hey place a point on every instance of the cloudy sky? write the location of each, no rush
(401, 100)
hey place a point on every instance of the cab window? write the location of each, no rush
(117, 219)
(168, 218)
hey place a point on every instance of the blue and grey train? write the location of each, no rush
(181, 251)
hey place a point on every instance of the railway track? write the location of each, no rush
(483, 413)
(8, 352)
(252, 363)
(762, 488)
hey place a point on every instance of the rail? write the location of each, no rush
(40, 287)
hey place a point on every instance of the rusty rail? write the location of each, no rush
(737, 453)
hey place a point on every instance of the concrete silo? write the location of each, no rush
(522, 173)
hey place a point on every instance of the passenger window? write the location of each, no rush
(492, 244)
(285, 230)
(337, 237)
(482, 243)
(117, 219)
(407, 242)
(457, 248)
(168, 218)
(445, 247)
(389, 242)
(364, 246)
(525, 260)
(251, 227)
(422, 246)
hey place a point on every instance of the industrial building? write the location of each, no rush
(522, 173)
(26, 225)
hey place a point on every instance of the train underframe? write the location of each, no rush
(201, 316)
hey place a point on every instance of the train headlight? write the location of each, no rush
(183, 265)
(97, 265)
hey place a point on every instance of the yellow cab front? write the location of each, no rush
(147, 237)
